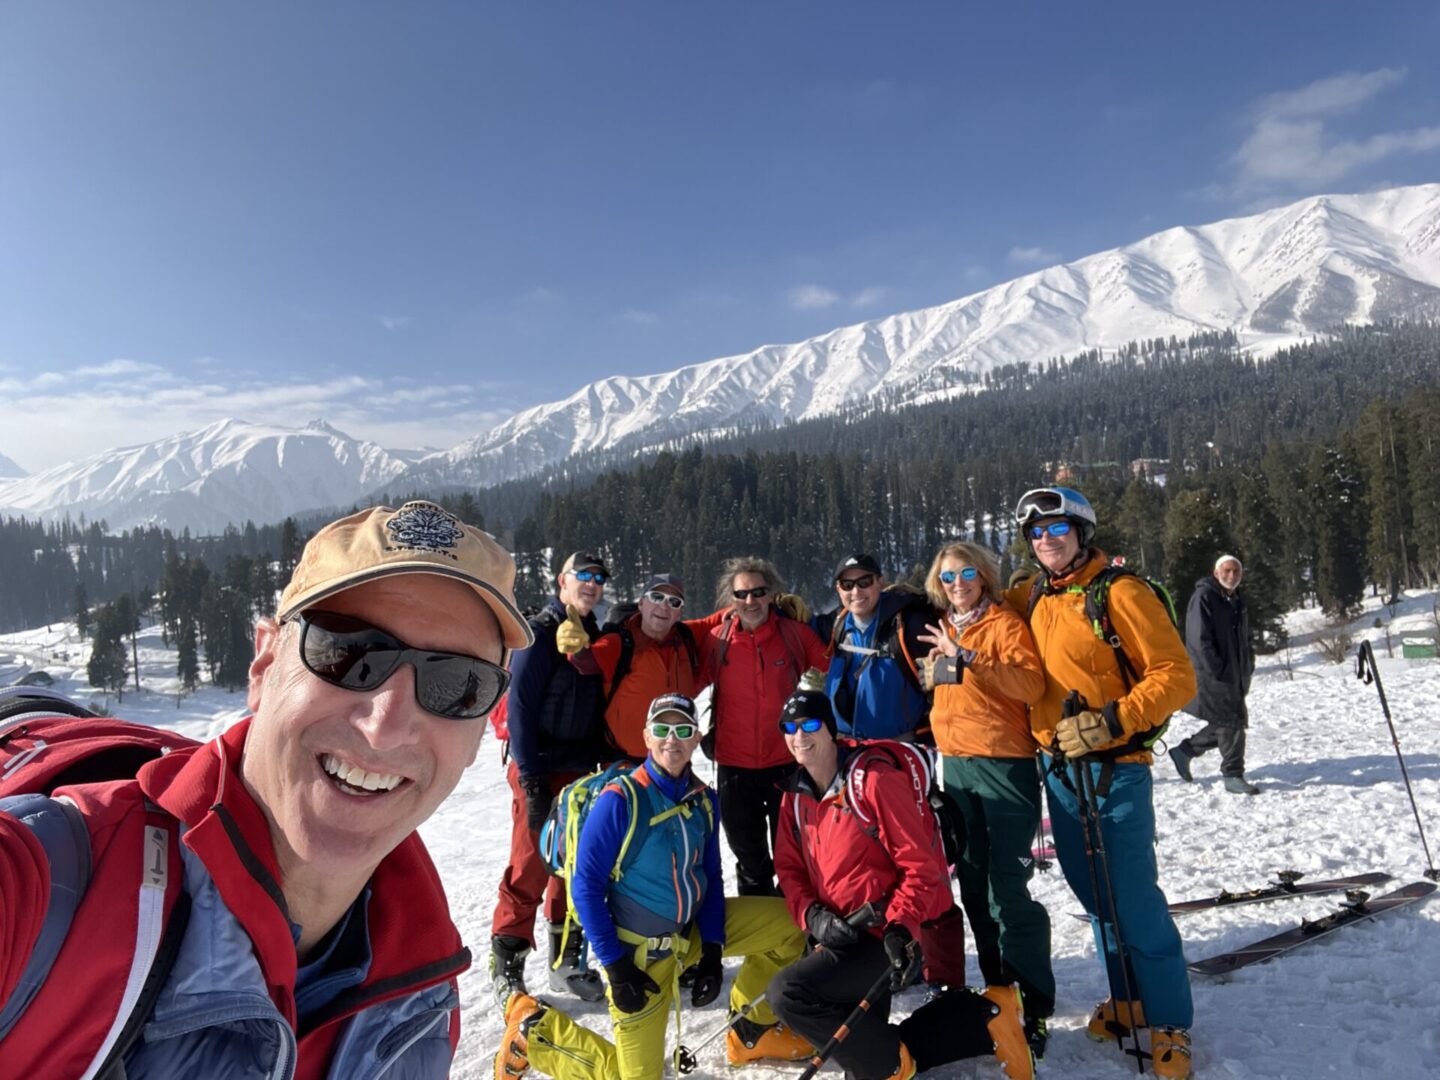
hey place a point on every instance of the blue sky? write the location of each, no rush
(414, 219)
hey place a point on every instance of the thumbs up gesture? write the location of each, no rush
(570, 636)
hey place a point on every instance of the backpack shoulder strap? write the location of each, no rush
(57, 824)
(687, 638)
(622, 662)
(794, 647)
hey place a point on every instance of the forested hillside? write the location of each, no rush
(1319, 466)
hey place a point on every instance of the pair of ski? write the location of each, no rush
(1359, 906)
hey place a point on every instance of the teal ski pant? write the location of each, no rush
(999, 799)
(1127, 824)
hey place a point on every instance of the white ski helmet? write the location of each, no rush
(1057, 501)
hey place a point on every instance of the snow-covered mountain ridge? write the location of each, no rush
(230, 471)
(1273, 277)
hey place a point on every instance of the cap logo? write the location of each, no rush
(424, 527)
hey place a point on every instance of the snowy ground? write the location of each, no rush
(1363, 1003)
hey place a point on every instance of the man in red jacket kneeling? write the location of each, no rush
(856, 830)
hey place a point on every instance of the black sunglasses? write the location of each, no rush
(759, 593)
(851, 584)
(354, 655)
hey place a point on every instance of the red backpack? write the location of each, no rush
(48, 742)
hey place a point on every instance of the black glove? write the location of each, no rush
(537, 799)
(904, 953)
(707, 743)
(709, 974)
(828, 928)
(940, 670)
(630, 987)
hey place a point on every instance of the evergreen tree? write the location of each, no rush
(82, 611)
(107, 665)
(1337, 520)
(1196, 534)
(187, 667)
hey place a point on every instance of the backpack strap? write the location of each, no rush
(622, 662)
(790, 637)
(61, 830)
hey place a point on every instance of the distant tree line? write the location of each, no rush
(1319, 467)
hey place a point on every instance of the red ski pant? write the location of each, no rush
(526, 881)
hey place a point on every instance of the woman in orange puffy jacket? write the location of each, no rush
(986, 672)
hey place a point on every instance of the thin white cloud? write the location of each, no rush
(638, 317)
(540, 295)
(394, 322)
(120, 409)
(869, 297)
(1328, 97)
(1032, 256)
(812, 297)
(1291, 143)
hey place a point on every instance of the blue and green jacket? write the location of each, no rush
(670, 874)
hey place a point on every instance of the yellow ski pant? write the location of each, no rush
(759, 928)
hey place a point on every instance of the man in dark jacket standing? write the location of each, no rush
(555, 736)
(1217, 636)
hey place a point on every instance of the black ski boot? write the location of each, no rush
(507, 967)
(572, 974)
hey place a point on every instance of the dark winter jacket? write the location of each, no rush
(1217, 636)
(554, 710)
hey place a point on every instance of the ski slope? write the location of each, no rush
(1363, 1003)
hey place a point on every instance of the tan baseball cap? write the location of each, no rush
(419, 538)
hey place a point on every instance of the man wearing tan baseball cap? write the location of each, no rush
(327, 940)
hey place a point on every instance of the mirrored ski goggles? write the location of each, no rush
(663, 731)
(759, 593)
(810, 725)
(354, 655)
(967, 573)
(850, 584)
(597, 576)
(1055, 528)
(658, 597)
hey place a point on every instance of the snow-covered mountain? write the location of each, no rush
(1273, 277)
(231, 471)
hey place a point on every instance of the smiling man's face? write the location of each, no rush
(343, 776)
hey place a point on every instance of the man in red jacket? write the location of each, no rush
(307, 929)
(754, 658)
(856, 831)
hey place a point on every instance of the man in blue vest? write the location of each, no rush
(664, 911)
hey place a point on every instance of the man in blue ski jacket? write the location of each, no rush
(663, 911)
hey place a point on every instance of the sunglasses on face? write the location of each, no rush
(810, 725)
(1055, 528)
(597, 576)
(658, 597)
(967, 573)
(759, 593)
(848, 584)
(664, 731)
(354, 655)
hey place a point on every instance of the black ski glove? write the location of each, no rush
(828, 928)
(904, 953)
(537, 799)
(709, 974)
(630, 987)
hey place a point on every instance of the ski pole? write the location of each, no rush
(822, 1055)
(1041, 862)
(686, 1059)
(1366, 669)
(1098, 863)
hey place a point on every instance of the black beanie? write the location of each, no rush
(806, 704)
